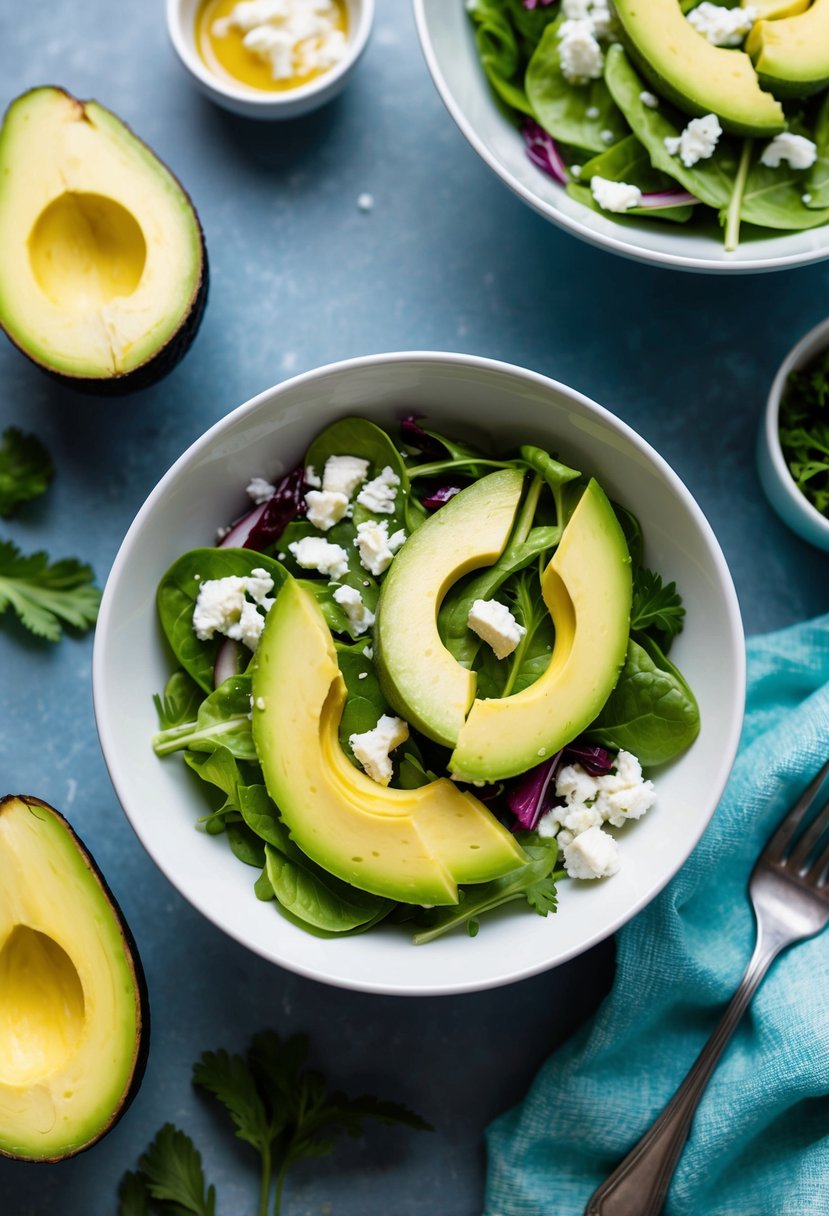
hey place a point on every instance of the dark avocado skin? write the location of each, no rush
(142, 1046)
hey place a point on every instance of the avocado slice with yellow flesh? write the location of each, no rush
(791, 55)
(771, 10)
(587, 587)
(699, 78)
(421, 679)
(413, 846)
(74, 1017)
(103, 267)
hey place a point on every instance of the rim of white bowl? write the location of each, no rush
(729, 743)
(192, 61)
(810, 345)
(616, 244)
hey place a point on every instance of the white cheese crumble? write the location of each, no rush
(375, 546)
(379, 495)
(649, 99)
(614, 196)
(494, 624)
(697, 141)
(597, 12)
(579, 51)
(311, 477)
(230, 606)
(315, 553)
(324, 508)
(372, 747)
(591, 854)
(359, 616)
(260, 490)
(342, 474)
(294, 37)
(722, 26)
(796, 150)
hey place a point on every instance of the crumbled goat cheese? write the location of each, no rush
(359, 617)
(375, 546)
(607, 137)
(311, 477)
(722, 26)
(806, 199)
(796, 150)
(295, 37)
(649, 99)
(576, 170)
(697, 141)
(596, 12)
(314, 553)
(616, 796)
(324, 508)
(591, 854)
(260, 490)
(372, 747)
(614, 196)
(592, 111)
(579, 51)
(230, 606)
(494, 624)
(379, 495)
(342, 474)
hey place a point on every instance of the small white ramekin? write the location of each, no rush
(255, 103)
(790, 504)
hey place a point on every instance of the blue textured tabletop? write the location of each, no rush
(445, 259)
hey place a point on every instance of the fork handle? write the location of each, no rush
(639, 1184)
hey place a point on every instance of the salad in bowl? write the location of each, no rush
(419, 648)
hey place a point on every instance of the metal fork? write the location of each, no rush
(789, 890)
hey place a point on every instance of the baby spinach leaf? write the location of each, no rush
(773, 198)
(651, 711)
(582, 115)
(499, 52)
(179, 702)
(223, 719)
(364, 703)
(712, 180)
(179, 590)
(628, 161)
(246, 845)
(816, 181)
(318, 899)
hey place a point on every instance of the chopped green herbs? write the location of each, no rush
(25, 470)
(804, 430)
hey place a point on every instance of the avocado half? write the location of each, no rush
(103, 265)
(74, 1013)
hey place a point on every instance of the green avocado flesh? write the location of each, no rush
(413, 846)
(696, 76)
(103, 270)
(791, 55)
(587, 587)
(421, 679)
(73, 1011)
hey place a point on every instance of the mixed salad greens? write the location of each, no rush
(617, 141)
(804, 430)
(282, 543)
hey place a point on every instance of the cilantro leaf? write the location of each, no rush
(25, 469)
(44, 596)
(657, 606)
(229, 1079)
(172, 1168)
(133, 1196)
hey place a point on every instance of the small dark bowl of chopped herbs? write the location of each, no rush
(793, 444)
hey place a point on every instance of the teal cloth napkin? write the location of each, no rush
(759, 1145)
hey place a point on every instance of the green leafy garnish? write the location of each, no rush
(657, 606)
(46, 597)
(170, 1173)
(25, 469)
(804, 430)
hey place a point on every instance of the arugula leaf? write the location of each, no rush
(657, 607)
(172, 1168)
(25, 469)
(46, 596)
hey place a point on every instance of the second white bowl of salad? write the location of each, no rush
(685, 134)
(419, 673)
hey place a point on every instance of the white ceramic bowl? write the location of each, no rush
(792, 506)
(448, 42)
(254, 103)
(485, 400)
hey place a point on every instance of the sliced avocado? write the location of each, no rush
(413, 846)
(791, 55)
(74, 1017)
(587, 589)
(696, 76)
(771, 10)
(421, 679)
(103, 267)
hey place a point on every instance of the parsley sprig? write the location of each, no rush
(46, 597)
(657, 606)
(25, 469)
(281, 1108)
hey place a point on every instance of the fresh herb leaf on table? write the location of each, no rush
(170, 1179)
(25, 470)
(46, 597)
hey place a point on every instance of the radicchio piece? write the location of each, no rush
(414, 435)
(668, 198)
(531, 4)
(531, 794)
(543, 151)
(283, 506)
(594, 760)
(439, 497)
